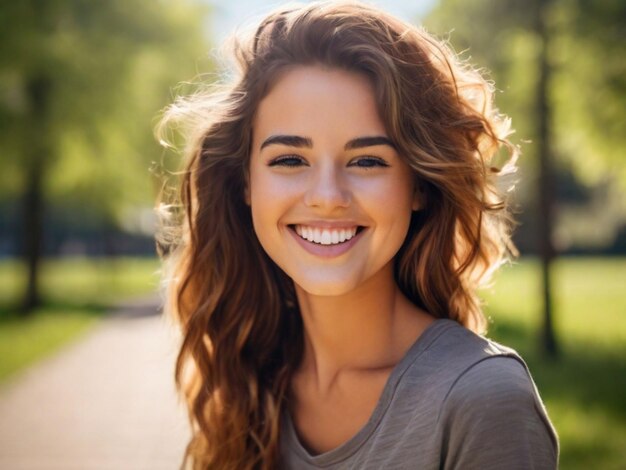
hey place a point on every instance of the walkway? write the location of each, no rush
(105, 402)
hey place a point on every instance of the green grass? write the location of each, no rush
(76, 293)
(584, 389)
(82, 280)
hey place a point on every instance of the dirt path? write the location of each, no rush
(105, 402)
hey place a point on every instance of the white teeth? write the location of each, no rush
(317, 235)
(325, 236)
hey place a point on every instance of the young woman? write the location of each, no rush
(339, 209)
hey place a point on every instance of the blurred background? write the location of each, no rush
(82, 85)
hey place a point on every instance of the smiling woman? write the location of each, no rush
(322, 164)
(341, 211)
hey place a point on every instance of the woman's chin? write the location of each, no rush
(324, 288)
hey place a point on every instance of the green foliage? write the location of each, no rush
(589, 89)
(108, 68)
(586, 50)
(583, 390)
(76, 294)
(586, 97)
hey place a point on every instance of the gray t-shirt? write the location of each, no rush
(455, 401)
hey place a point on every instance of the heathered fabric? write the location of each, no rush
(455, 401)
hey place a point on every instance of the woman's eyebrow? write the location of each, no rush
(289, 140)
(361, 142)
(299, 141)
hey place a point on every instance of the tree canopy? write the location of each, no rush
(80, 85)
(101, 71)
(586, 95)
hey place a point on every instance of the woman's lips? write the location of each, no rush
(326, 242)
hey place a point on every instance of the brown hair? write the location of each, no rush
(242, 331)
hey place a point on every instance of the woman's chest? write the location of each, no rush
(323, 423)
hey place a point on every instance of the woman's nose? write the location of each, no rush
(327, 189)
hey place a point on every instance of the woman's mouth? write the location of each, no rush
(326, 242)
(325, 236)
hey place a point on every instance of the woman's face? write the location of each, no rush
(331, 199)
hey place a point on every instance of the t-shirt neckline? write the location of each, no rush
(349, 447)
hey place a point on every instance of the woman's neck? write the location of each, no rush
(365, 330)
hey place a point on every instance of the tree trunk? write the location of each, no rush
(546, 182)
(32, 236)
(39, 88)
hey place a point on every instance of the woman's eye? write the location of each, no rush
(368, 162)
(287, 161)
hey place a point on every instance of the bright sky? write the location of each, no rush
(229, 14)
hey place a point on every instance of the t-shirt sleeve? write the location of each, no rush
(493, 418)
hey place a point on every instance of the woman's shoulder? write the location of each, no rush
(476, 365)
(489, 396)
(449, 343)
(496, 382)
(461, 368)
(450, 362)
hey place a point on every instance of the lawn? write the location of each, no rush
(584, 388)
(76, 293)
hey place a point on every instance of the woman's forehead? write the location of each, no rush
(319, 100)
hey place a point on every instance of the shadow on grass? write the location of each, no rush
(10, 313)
(586, 374)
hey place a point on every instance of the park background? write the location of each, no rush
(82, 85)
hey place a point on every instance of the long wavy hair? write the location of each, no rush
(242, 335)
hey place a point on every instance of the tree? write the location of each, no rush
(558, 64)
(543, 115)
(588, 89)
(80, 83)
